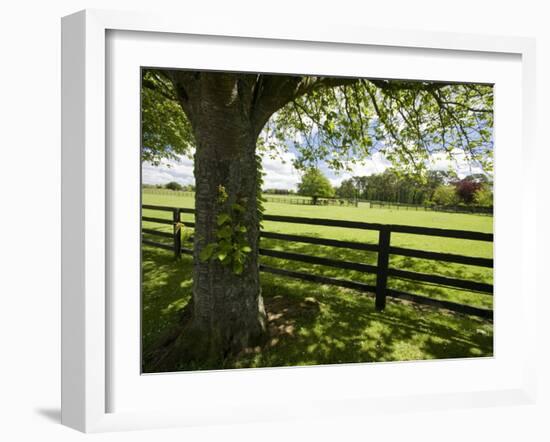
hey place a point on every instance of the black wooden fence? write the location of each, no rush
(381, 270)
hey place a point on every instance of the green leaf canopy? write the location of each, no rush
(342, 121)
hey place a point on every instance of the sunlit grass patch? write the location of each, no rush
(314, 324)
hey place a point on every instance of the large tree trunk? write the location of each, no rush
(227, 307)
(226, 314)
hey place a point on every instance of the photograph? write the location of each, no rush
(302, 220)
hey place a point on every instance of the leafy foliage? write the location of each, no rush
(260, 200)
(231, 246)
(166, 132)
(315, 184)
(346, 189)
(466, 189)
(173, 185)
(341, 121)
(484, 197)
(445, 196)
(392, 186)
(407, 121)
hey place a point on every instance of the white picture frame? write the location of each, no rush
(86, 317)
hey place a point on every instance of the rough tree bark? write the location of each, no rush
(227, 307)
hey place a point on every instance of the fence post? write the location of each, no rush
(382, 267)
(177, 232)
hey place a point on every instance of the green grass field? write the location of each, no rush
(312, 324)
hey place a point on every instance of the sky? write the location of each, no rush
(280, 174)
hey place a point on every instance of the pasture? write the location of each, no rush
(318, 324)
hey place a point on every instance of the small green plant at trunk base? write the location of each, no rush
(231, 246)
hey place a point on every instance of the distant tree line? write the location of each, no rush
(274, 191)
(172, 185)
(438, 188)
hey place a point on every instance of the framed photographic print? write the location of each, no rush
(279, 223)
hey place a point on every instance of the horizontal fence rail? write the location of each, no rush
(321, 241)
(383, 248)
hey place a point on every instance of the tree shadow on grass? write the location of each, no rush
(166, 289)
(313, 324)
(344, 327)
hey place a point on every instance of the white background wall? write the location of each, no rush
(30, 215)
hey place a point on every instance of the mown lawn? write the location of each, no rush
(312, 324)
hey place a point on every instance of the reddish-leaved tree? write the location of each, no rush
(466, 189)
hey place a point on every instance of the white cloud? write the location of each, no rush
(180, 171)
(459, 163)
(279, 171)
(377, 163)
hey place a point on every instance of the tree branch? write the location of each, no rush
(278, 90)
